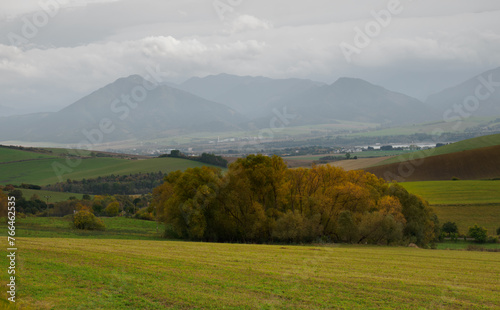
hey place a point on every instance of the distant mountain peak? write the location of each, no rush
(349, 81)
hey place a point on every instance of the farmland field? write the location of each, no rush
(60, 273)
(9, 155)
(356, 164)
(465, 145)
(116, 228)
(41, 172)
(465, 216)
(464, 202)
(456, 192)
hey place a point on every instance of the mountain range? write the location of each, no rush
(132, 108)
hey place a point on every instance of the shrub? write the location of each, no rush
(113, 209)
(473, 247)
(85, 220)
(498, 231)
(492, 239)
(450, 228)
(377, 228)
(478, 233)
(144, 214)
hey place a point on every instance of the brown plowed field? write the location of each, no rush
(482, 163)
(358, 164)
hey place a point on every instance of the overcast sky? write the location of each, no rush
(53, 52)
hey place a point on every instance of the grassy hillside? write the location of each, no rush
(456, 192)
(431, 127)
(469, 144)
(60, 273)
(481, 163)
(41, 172)
(465, 216)
(463, 202)
(10, 155)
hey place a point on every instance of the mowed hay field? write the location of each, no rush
(463, 202)
(60, 273)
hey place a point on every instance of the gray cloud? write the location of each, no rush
(90, 43)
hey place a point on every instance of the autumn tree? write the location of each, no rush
(258, 199)
(3, 204)
(113, 209)
(84, 219)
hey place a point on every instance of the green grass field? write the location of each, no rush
(59, 273)
(42, 172)
(116, 228)
(129, 267)
(456, 192)
(464, 145)
(9, 155)
(463, 202)
(465, 216)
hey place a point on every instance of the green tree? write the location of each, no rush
(450, 228)
(85, 220)
(379, 228)
(289, 227)
(113, 209)
(421, 221)
(347, 230)
(175, 153)
(480, 234)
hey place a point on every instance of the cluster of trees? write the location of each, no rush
(99, 205)
(132, 184)
(260, 200)
(206, 158)
(33, 205)
(106, 205)
(478, 233)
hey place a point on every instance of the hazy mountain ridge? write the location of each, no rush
(163, 110)
(459, 100)
(194, 106)
(354, 99)
(254, 97)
